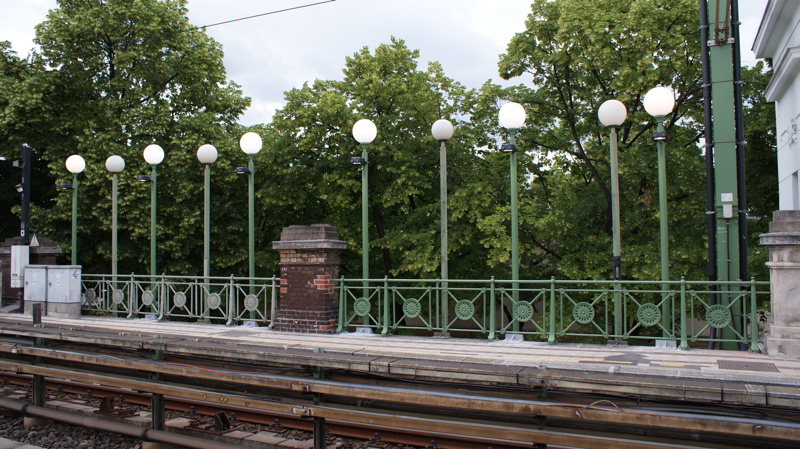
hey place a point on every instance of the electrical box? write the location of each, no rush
(727, 211)
(64, 284)
(36, 283)
(56, 287)
(20, 257)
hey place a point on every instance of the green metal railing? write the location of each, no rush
(554, 310)
(547, 310)
(223, 300)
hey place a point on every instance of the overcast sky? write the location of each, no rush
(272, 54)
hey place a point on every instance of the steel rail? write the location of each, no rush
(431, 398)
(129, 430)
(388, 420)
(290, 421)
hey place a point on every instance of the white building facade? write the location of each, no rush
(779, 39)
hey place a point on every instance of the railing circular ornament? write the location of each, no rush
(411, 308)
(362, 306)
(90, 296)
(214, 301)
(464, 309)
(718, 316)
(251, 303)
(118, 297)
(179, 299)
(147, 298)
(583, 312)
(522, 311)
(648, 314)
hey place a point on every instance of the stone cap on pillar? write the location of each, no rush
(317, 236)
(784, 228)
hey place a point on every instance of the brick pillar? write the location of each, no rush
(783, 241)
(309, 263)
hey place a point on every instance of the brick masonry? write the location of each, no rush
(309, 266)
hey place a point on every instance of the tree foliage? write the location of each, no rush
(112, 77)
(314, 181)
(573, 66)
(117, 76)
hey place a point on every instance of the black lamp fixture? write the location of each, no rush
(508, 148)
(659, 136)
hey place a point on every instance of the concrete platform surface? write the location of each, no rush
(659, 361)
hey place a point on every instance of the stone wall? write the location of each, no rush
(783, 240)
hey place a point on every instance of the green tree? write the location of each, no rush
(312, 180)
(761, 163)
(120, 75)
(21, 120)
(573, 66)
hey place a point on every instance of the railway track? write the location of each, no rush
(200, 418)
(409, 410)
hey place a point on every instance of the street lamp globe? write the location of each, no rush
(250, 143)
(364, 131)
(612, 113)
(659, 101)
(115, 164)
(75, 164)
(153, 154)
(512, 116)
(442, 130)
(207, 154)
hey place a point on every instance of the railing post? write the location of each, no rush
(492, 313)
(385, 330)
(233, 303)
(273, 304)
(551, 338)
(162, 300)
(342, 306)
(684, 325)
(753, 317)
(617, 309)
(133, 289)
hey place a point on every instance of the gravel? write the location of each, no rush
(63, 436)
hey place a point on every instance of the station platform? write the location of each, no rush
(710, 375)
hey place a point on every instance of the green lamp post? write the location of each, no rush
(364, 131)
(207, 155)
(114, 164)
(612, 114)
(251, 143)
(512, 117)
(659, 102)
(153, 155)
(442, 131)
(75, 165)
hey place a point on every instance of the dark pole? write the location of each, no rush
(741, 187)
(709, 147)
(25, 214)
(740, 172)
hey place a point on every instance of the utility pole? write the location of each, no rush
(25, 187)
(725, 148)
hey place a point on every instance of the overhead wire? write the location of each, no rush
(203, 27)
